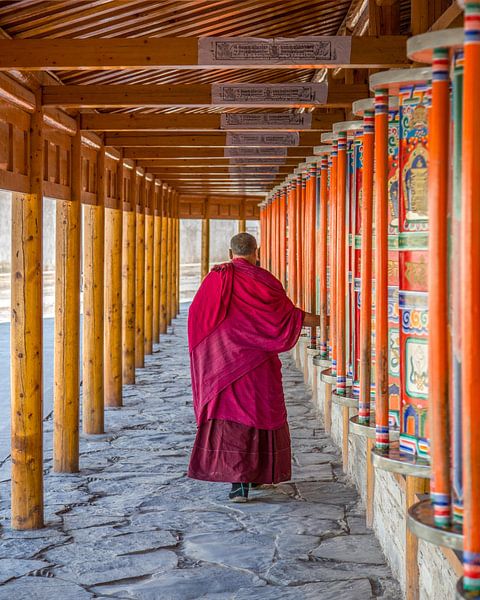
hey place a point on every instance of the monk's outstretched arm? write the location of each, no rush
(311, 320)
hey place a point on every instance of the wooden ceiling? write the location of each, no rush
(82, 19)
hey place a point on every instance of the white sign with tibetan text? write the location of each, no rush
(291, 138)
(255, 152)
(312, 51)
(285, 120)
(270, 94)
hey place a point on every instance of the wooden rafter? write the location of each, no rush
(172, 53)
(321, 121)
(200, 95)
(213, 140)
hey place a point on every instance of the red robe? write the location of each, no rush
(239, 320)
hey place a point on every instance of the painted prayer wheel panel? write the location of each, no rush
(350, 258)
(393, 270)
(413, 256)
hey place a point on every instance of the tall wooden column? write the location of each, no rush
(311, 243)
(366, 269)
(283, 236)
(169, 256)
(176, 256)
(128, 281)
(205, 251)
(113, 295)
(470, 299)
(26, 341)
(242, 225)
(149, 252)
(381, 269)
(341, 262)
(93, 296)
(177, 279)
(140, 274)
(157, 237)
(438, 293)
(66, 378)
(333, 256)
(291, 244)
(323, 257)
(163, 262)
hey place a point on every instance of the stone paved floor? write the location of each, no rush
(131, 525)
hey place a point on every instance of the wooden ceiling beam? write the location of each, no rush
(215, 170)
(189, 95)
(213, 140)
(171, 53)
(207, 163)
(208, 153)
(321, 121)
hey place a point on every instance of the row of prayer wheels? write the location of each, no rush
(379, 233)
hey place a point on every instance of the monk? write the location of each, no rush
(239, 320)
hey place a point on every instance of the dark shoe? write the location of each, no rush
(239, 492)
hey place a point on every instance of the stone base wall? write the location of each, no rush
(437, 576)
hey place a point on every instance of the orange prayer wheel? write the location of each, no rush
(322, 246)
(291, 243)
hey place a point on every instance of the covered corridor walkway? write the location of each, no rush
(131, 525)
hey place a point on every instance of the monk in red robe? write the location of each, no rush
(239, 320)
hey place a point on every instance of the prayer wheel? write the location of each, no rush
(411, 87)
(344, 133)
(453, 206)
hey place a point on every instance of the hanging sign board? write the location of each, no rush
(269, 93)
(254, 152)
(283, 120)
(313, 51)
(261, 160)
(256, 169)
(263, 139)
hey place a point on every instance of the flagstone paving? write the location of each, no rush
(131, 525)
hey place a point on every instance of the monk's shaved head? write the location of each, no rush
(243, 244)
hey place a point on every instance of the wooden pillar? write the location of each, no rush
(381, 269)
(341, 263)
(242, 225)
(205, 252)
(438, 350)
(298, 241)
(283, 235)
(177, 266)
(311, 243)
(113, 296)
(176, 256)
(66, 378)
(26, 341)
(470, 298)
(413, 487)
(128, 282)
(163, 261)
(333, 256)
(291, 244)
(366, 270)
(170, 259)
(93, 305)
(149, 252)
(140, 274)
(323, 258)
(157, 242)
